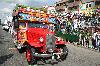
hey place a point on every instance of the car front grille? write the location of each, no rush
(50, 43)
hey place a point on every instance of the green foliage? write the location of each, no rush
(70, 37)
(58, 33)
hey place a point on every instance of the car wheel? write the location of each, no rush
(32, 59)
(64, 50)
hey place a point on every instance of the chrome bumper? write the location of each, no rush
(47, 55)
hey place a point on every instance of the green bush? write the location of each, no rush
(70, 37)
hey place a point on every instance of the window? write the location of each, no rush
(37, 25)
(89, 5)
(57, 5)
(97, 3)
(70, 1)
(86, 5)
(22, 25)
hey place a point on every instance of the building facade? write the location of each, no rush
(89, 6)
(78, 6)
(61, 5)
(67, 6)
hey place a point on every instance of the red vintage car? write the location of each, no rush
(38, 41)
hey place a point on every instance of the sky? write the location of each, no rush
(6, 6)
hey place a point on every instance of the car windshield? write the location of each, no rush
(37, 25)
(22, 25)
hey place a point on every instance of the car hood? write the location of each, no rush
(33, 35)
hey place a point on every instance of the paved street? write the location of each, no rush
(8, 54)
(77, 56)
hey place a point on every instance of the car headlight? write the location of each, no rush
(41, 39)
(58, 38)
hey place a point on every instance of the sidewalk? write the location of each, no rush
(90, 47)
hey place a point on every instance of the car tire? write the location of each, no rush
(32, 60)
(65, 50)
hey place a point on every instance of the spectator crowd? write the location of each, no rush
(86, 27)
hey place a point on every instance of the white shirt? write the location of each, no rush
(94, 35)
(75, 24)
